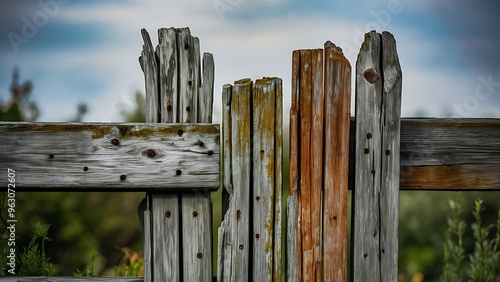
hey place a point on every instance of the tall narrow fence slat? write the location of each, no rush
(389, 194)
(249, 239)
(319, 149)
(226, 133)
(178, 99)
(337, 87)
(294, 246)
(376, 194)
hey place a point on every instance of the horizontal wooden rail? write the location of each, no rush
(105, 156)
(72, 279)
(446, 154)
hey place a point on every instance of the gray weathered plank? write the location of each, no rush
(376, 200)
(196, 237)
(445, 154)
(366, 214)
(149, 64)
(167, 43)
(166, 237)
(278, 180)
(99, 156)
(206, 92)
(389, 193)
(241, 176)
(72, 279)
(263, 179)
(292, 260)
(186, 68)
(226, 133)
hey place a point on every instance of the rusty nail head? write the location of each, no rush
(369, 136)
(51, 156)
(115, 141)
(335, 217)
(210, 152)
(85, 168)
(195, 213)
(167, 213)
(178, 172)
(257, 198)
(257, 235)
(199, 255)
(371, 75)
(241, 247)
(388, 152)
(367, 150)
(123, 177)
(365, 255)
(180, 132)
(151, 153)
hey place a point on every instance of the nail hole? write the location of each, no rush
(387, 152)
(383, 251)
(169, 108)
(367, 150)
(195, 213)
(241, 247)
(368, 136)
(373, 172)
(257, 235)
(257, 198)
(210, 152)
(167, 214)
(335, 217)
(199, 255)
(180, 132)
(51, 156)
(115, 141)
(186, 46)
(188, 109)
(85, 168)
(123, 177)
(365, 255)
(190, 83)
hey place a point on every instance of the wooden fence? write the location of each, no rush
(174, 158)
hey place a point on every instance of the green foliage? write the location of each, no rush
(484, 261)
(34, 260)
(89, 270)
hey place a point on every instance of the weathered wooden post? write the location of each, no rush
(178, 225)
(376, 191)
(250, 234)
(319, 158)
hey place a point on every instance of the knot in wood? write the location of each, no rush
(151, 153)
(371, 75)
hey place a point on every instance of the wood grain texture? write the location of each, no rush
(168, 55)
(389, 193)
(165, 213)
(196, 237)
(72, 279)
(206, 92)
(337, 88)
(366, 213)
(149, 64)
(376, 200)
(305, 165)
(188, 90)
(227, 147)
(294, 253)
(445, 154)
(99, 156)
(278, 180)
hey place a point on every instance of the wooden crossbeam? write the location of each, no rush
(111, 156)
(445, 154)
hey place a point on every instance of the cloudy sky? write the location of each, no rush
(78, 51)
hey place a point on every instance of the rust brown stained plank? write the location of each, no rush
(294, 261)
(305, 164)
(337, 120)
(316, 153)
